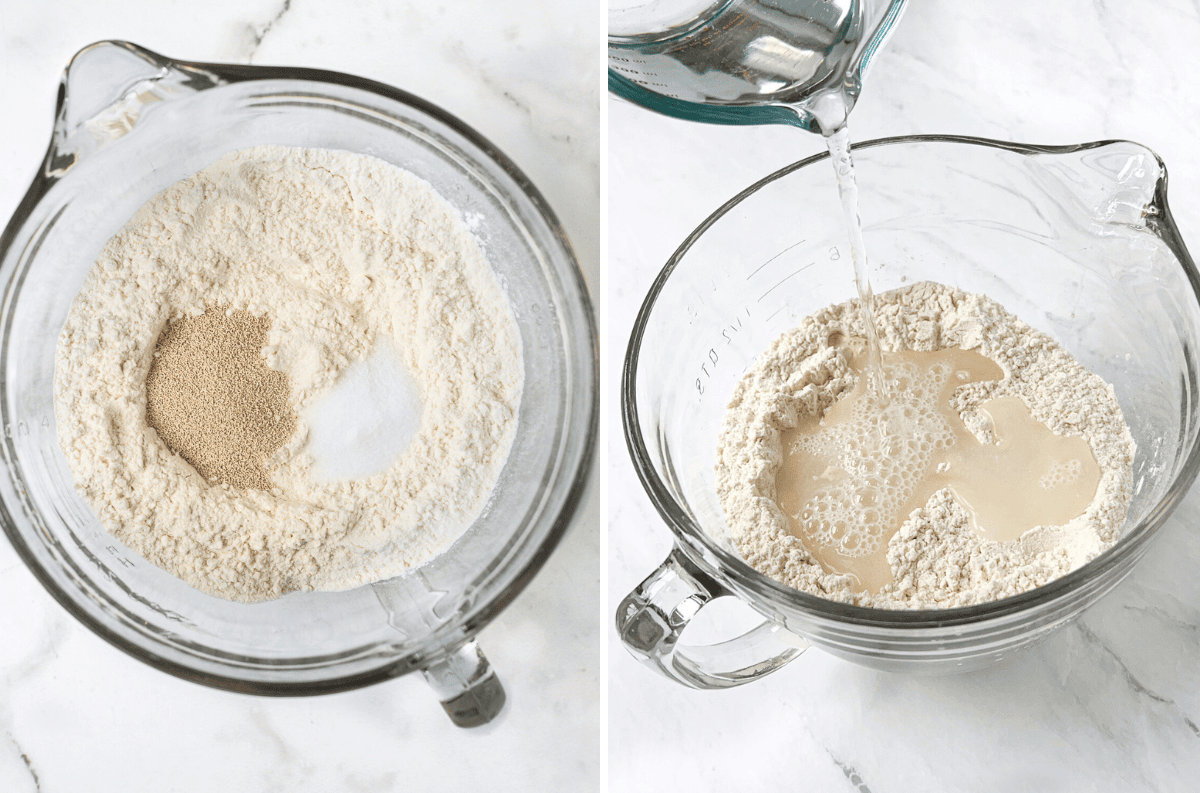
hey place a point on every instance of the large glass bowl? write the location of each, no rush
(1076, 240)
(131, 123)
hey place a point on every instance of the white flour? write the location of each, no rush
(937, 558)
(344, 252)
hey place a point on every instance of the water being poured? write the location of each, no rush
(830, 111)
(843, 166)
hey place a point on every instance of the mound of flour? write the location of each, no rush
(937, 558)
(343, 252)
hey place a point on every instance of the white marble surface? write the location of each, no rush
(1109, 704)
(77, 714)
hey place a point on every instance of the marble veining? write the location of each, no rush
(37, 783)
(260, 33)
(851, 775)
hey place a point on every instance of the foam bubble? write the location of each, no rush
(886, 450)
(1061, 473)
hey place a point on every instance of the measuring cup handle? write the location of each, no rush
(651, 618)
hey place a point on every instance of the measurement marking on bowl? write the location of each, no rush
(772, 289)
(713, 356)
(116, 553)
(782, 308)
(773, 258)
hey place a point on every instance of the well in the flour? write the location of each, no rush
(999, 464)
(851, 475)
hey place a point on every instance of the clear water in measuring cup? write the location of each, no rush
(735, 52)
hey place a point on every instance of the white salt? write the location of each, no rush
(366, 420)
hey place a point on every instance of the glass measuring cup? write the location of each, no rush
(131, 122)
(1077, 241)
(747, 61)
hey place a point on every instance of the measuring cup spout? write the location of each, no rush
(746, 61)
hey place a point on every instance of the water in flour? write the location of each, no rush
(945, 545)
(373, 286)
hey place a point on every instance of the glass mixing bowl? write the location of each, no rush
(1076, 240)
(130, 123)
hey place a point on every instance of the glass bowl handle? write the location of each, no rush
(651, 619)
(466, 685)
(454, 666)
